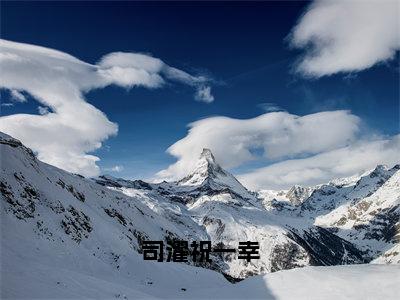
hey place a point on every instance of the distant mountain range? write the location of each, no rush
(50, 215)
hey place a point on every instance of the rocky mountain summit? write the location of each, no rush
(364, 210)
(103, 221)
(208, 175)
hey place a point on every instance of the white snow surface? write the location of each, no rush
(48, 271)
(45, 275)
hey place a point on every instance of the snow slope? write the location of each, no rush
(65, 236)
(46, 277)
(363, 209)
(229, 213)
(42, 270)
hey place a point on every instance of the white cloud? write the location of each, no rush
(117, 168)
(270, 107)
(345, 161)
(57, 80)
(122, 69)
(277, 134)
(204, 94)
(43, 110)
(346, 36)
(17, 96)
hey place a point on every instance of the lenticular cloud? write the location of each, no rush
(287, 149)
(72, 128)
(277, 135)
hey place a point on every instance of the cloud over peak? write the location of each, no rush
(57, 80)
(278, 135)
(288, 149)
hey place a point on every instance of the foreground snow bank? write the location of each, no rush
(337, 282)
(154, 281)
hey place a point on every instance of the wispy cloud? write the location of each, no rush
(204, 94)
(270, 107)
(43, 110)
(346, 36)
(17, 96)
(73, 127)
(117, 169)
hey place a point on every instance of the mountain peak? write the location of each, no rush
(205, 168)
(209, 175)
(297, 194)
(207, 154)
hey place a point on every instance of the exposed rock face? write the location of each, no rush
(297, 194)
(209, 178)
(320, 244)
(206, 169)
(363, 210)
(370, 217)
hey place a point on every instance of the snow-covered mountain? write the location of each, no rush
(52, 219)
(370, 218)
(230, 213)
(208, 175)
(364, 210)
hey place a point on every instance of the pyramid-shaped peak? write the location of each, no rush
(205, 168)
(207, 154)
(209, 177)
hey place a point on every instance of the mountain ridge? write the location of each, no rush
(107, 219)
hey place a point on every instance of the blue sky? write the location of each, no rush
(242, 47)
